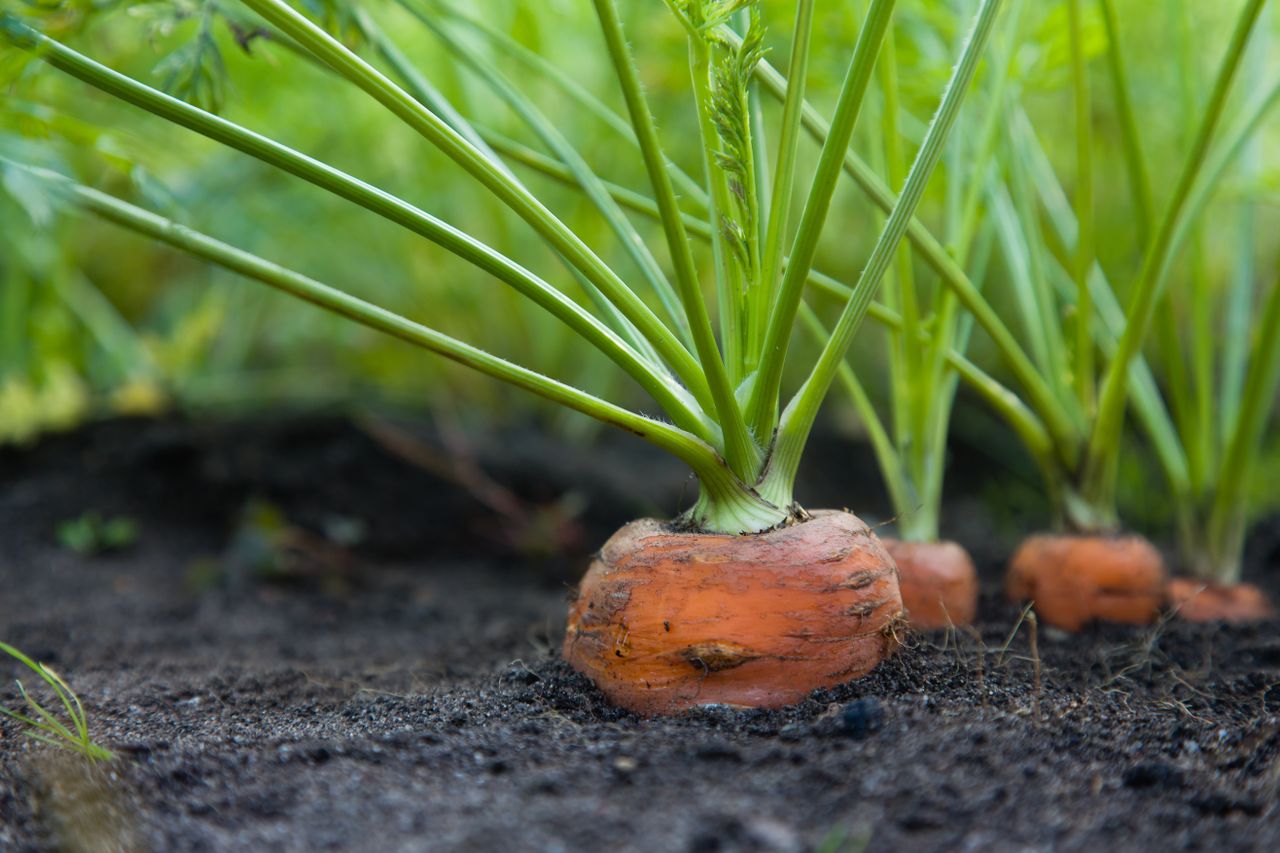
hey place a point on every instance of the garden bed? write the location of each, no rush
(407, 691)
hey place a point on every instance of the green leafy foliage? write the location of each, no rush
(206, 338)
(194, 71)
(732, 69)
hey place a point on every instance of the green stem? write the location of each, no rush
(784, 178)
(740, 451)
(1029, 427)
(1239, 303)
(1230, 510)
(798, 418)
(764, 398)
(646, 206)
(684, 410)
(1136, 163)
(1083, 367)
(988, 136)
(954, 331)
(1033, 286)
(491, 176)
(1199, 435)
(1104, 444)
(1065, 430)
(910, 398)
(413, 79)
(887, 455)
(1109, 322)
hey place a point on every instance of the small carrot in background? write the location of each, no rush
(1078, 579)
(1068, 411)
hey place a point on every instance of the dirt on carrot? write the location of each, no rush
(665, 621)
(939, 583)
(1077, 579)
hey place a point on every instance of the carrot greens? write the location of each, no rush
(715, 370)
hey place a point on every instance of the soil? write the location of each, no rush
(308, 648)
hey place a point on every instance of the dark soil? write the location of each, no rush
(308, 648)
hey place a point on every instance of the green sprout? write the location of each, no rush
(42, 725)
(91, 533)
(1205, 436)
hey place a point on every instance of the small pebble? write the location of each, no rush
(861, 717)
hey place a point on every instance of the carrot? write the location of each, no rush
(1201, 601)
(939, 582)
(1074, 579)
(668, 620)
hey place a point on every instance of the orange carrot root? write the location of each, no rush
(1079, 579)
(1200, 601)
(666, 621)
(939, 582)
